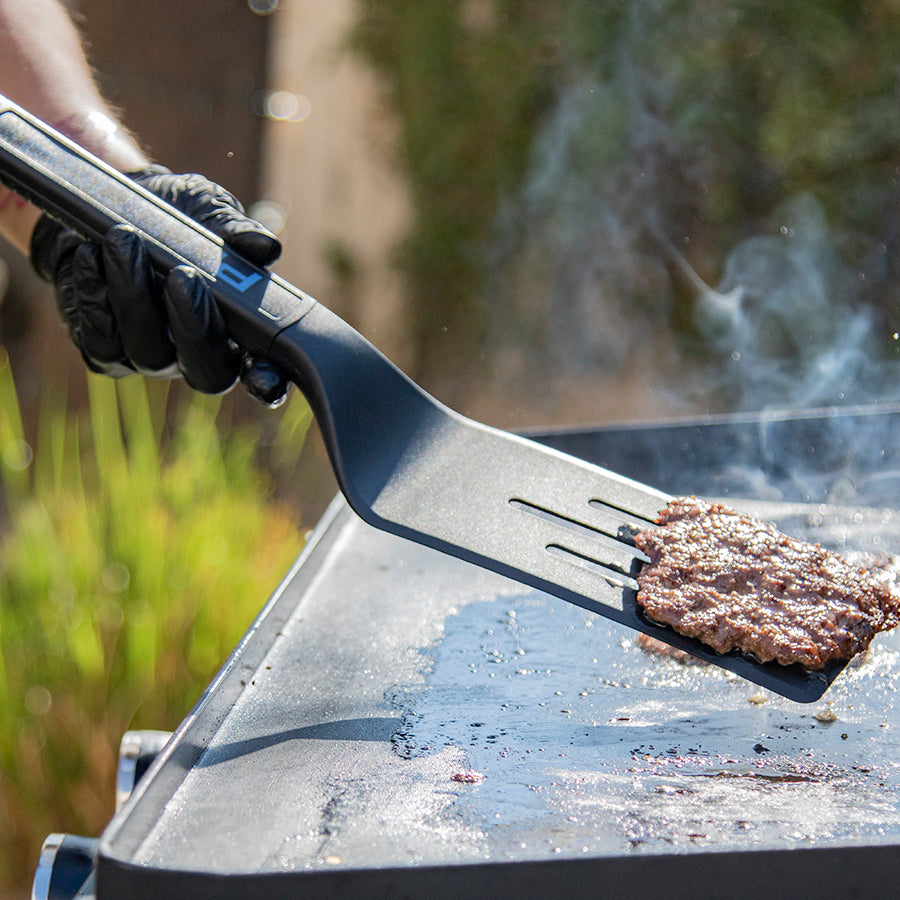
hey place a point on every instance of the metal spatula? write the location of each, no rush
(406, 463)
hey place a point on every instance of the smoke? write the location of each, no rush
(596, 267)
(788, 321)
(570, 258)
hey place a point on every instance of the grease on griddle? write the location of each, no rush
(659, 648)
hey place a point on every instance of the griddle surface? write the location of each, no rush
(343, 746)
(397, 708)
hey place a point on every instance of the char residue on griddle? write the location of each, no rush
(735, 582)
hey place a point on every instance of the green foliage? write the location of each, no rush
(468, 83)
(796, 97)
(132, 559)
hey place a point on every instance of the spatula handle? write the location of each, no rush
(89, 196)
(369, 413)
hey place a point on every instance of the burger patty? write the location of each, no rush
(736, 582)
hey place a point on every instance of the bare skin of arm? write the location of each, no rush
(43, 69)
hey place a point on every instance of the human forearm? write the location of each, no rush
(43, 68)
(122, 316)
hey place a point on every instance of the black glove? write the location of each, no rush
(125, 318)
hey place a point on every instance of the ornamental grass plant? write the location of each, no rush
(136, 546)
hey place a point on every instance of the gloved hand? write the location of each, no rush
(125, 318)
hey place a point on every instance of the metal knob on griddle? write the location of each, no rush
(137, 751)
(65, 865)
(66, 862)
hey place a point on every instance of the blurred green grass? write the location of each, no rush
(136, 546)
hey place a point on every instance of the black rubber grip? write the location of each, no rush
(87, 195)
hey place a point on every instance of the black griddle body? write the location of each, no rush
(849, 450)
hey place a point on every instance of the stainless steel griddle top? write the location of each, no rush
(395, 708)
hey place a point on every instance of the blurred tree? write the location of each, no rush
(571, 161)
(468, 82)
